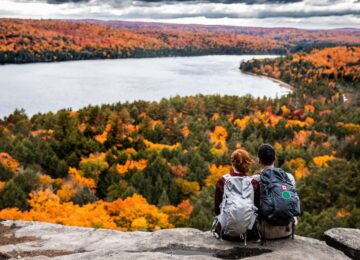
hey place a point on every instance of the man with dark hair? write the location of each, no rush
(266, 154)
(271, 178)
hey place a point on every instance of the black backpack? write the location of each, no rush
(279, 201)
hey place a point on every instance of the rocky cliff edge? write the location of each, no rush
(38, 240)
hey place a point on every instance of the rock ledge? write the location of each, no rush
(346, 240)
(64, 242)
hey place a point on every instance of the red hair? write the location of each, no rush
(241, 161)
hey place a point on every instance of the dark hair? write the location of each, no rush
(266, 154)
(241, 160)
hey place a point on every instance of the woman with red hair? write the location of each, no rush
(241, 162)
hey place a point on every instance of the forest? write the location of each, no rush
(26, 40)
(152, 165)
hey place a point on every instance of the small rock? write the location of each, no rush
(346, 240)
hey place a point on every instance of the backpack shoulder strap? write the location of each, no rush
(226, 183)
(227, 177)
(256, 177)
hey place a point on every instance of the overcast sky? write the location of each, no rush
(267, 13)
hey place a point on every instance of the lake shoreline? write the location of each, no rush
(135, 58)
(278, 81)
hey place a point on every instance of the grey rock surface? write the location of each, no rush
(181, 243)
(345, 239)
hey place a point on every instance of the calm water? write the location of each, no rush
(46, 87)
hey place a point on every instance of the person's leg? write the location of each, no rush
(253, 234)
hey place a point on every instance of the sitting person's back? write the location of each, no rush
(278, 200)
(247, 212)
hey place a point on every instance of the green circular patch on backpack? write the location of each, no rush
(286, 195)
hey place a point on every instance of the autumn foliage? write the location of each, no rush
(339, 63)
(9, 162)
(152, 165)
(56, 40)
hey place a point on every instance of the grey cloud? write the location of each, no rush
(303, 14)
(259, 9)
(121, 2)
(66, 1)
(260, 15)
(224, 1)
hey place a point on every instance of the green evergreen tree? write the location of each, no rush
(84, 196)
(202, 215)
(163, 200)
(12, 196)
(198, 169)
(5, 173)
(129, 192)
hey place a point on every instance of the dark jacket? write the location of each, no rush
(219, 192)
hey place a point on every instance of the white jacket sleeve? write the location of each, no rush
(292, 179)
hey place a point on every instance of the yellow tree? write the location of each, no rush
(134, 212)
(216, 172)
(322, 161)
(218, 139)
(9, 162)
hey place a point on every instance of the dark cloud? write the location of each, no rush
(66, 1)
(250, 2)
(175, 9)
(224, 1)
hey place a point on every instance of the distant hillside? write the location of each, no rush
(293, 35)
(24, 41)
(339, 64)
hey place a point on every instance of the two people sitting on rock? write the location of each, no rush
(260, 206)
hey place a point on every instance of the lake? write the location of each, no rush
(44, 87)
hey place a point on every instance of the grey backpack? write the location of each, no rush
(237, 210)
